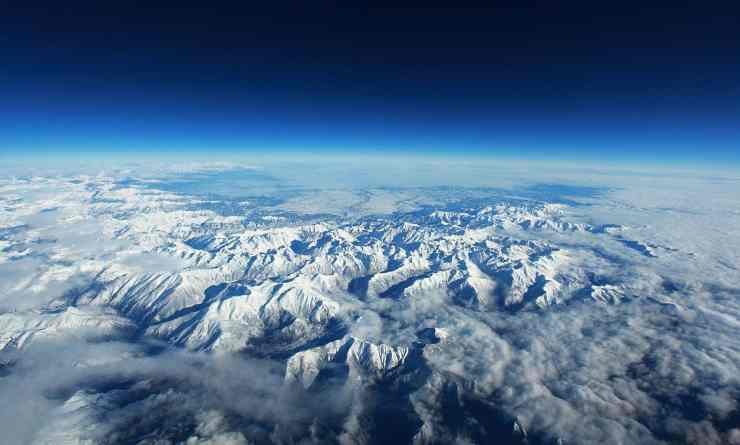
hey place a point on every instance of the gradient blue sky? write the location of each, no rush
(551, 82)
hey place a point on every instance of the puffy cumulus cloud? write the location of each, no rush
(212, 429)
(367, 325)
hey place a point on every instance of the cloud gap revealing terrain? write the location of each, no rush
(220, 303)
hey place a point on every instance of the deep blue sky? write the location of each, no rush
(604, 81)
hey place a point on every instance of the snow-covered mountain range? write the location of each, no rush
(464, 320)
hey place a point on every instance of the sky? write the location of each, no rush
(550, 81)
